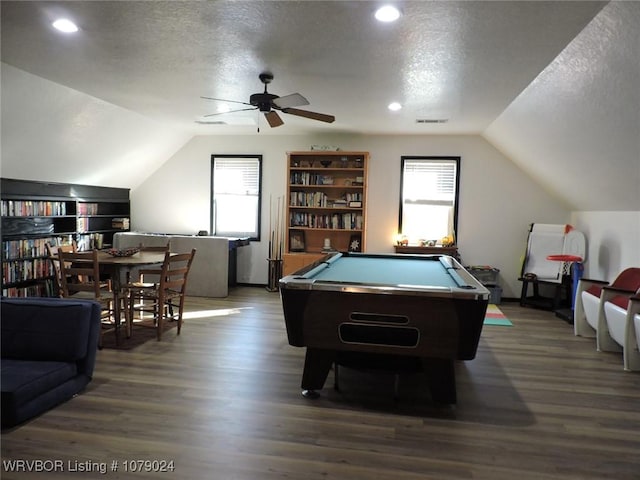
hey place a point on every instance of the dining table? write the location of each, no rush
(119, 269)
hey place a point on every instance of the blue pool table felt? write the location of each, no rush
(387, 271)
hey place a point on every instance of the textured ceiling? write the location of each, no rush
(552, 85)
(463, 61)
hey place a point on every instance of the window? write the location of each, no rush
(429, 197)
(235, 195)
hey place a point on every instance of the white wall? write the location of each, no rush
(613, 242)
(54, 133)
(497, 202)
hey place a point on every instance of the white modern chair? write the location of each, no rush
(622, 316)
(589, 316)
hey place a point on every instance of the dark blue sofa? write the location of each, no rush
(48, 353)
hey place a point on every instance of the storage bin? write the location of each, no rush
(495, 294)
(485, 274)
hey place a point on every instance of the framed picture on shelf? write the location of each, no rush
(296, 241)
(355, 243)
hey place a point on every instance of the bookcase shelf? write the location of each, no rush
(326, 201)
(35, 213)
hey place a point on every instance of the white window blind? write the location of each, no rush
(430, 181)
(236, 195)
(428, 203)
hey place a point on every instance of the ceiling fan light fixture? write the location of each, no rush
(65, 25)
(387, 14)
(394, 106)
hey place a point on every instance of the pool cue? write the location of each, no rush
(270, 230)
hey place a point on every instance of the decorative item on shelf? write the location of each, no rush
(121, 223)
(124, 252)
(326, 246)
(325, 163)
(448, 241)
(355, 243)
(344, 162)
(296, 241)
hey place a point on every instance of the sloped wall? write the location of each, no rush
(54, 133)
(576, 128)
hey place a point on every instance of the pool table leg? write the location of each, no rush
(441, 376)
(317, 363)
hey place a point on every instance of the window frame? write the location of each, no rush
(456, 205)
(212, 221)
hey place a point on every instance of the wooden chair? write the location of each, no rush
(52, 254)
(137, 272)
(160, 301)
(84, 269)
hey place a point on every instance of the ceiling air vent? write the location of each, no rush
(432, 120)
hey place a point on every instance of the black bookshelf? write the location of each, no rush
(34, 213)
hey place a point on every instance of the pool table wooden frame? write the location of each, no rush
(392, 326)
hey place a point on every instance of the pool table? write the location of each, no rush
(384, 311)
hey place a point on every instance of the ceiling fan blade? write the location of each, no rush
(312, 115)
(293, 100)
(230, 111)
(223, 100)
(273, 119)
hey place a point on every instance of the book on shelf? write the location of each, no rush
(121, 223)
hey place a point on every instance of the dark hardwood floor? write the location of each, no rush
(222, 401)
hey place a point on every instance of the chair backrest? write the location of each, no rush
(80, 272)
(628, 279)
(52, 253)
(175, 270)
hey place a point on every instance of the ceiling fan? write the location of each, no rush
(270, 104)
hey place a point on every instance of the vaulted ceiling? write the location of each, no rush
(554, 85)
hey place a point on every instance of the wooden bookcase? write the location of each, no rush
(34, 213)
(326, 200)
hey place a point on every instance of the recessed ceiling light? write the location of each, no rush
(394, 106)
(388, 13)
(65, 25)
